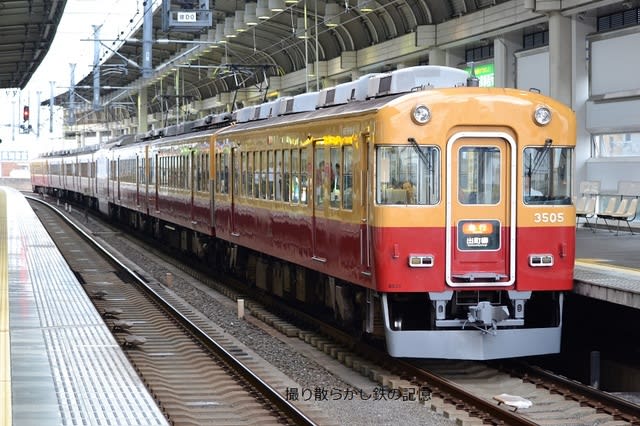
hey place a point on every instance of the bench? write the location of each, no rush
(626, 215)
(586, 209)
(613, 209)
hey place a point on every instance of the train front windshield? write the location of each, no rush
(546, 175)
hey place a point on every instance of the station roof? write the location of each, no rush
(27, 29)
(184, 73)
(273, 47)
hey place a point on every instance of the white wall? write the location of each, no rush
(614, 66)
(532, 70)
(611, 107)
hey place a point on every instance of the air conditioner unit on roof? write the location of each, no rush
(300, 103)
(346, 92)
(415, 78)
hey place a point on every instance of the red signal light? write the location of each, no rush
(25, 113)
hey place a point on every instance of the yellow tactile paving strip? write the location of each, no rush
(605, 267)
(5, 347)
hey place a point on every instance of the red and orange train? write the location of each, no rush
(410, 205)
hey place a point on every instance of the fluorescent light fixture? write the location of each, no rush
(331, 12)
(262, 10)
(276, 5)
(250, 14)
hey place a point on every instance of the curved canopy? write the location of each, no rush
(27, 29)
(258, 49)
(251, 44)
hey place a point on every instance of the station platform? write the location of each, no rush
(608, 265)
(60, 364)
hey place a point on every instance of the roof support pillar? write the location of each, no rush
(147, 34)
(504, 48)
(560, 58)
(142, 108)
(437, 56)
(96, 67)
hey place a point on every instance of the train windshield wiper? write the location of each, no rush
(425, 160)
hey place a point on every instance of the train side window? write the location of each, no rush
(203, 172)
(246, 174)
(546, 175)
(295, 176)
(347, 178)
(407, 175)
(197, 171)
(263, 177)
(176, 171)
(206, 174)
(173, 169)
(286, 175)
(304, 176)
(320, 176)
(142, 175)
(249, 174)
(152, 170)
(256, 174)
(165, 171)
(224, 172)
(278, 176)
(335, 180)
(160, 171)
(218, 168)
(236, 172)
(270, 175)
(186, 180)
(169, 169)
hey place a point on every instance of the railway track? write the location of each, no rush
(463, 391)
(192, 377)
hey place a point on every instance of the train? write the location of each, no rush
(411, 206)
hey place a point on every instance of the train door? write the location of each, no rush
(155, 170)
(364, 185)
(321, 170)
(107, 163)
(232, 182)
(191, 165)
(146, 175)
(117, 178)
(481, 200)
(93, 172)
(139, 166)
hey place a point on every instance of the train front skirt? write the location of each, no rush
(471, 343)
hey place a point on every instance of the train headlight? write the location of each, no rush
(542, 115)
(538, 260)
(421, 114)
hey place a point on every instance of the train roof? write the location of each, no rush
(73, 151)
(367, 93)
